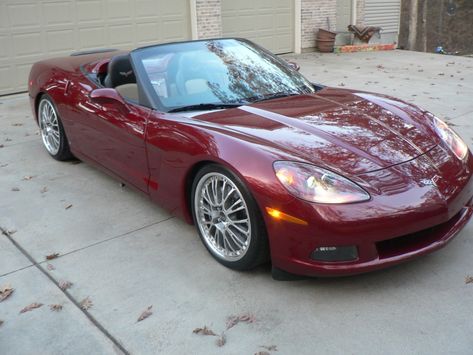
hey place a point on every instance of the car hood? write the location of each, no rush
(348, 131)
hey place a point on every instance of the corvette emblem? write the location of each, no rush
(429, 182)
(126, 74)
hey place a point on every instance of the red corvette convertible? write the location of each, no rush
(267, 165)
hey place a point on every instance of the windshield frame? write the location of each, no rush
(150, 95)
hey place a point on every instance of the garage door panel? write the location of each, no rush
(5, 73)
(31, 30)
(58, 13)
(118, 9)
(26, 44)
(121, 35)
(5, 46)
(59, 41)
(23, 14)
(92, 37)
(266, 22)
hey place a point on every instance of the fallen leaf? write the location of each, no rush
(44, 189)
(86, 303)
(15, 189)
(234, 320)
(204, 331)
(55, 307)
(31, 307)
(52, 256)
(50, 267)
(64, 285)
(27, 177)
(10, 232)
(3, 165)
(7, 139)
(469, 279)
(221, 341)
(146, 313)
(17, 124)
(341, 84)
(379, 66)
(1, 146)
(269, 347)
(1, 322)
(5, 292)
(262, 353)
(67, 207)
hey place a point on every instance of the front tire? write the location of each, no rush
(228, 219)
(52, 131)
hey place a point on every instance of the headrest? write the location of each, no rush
(119, 72)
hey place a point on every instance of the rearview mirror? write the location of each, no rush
(106, 95)
(293, 65)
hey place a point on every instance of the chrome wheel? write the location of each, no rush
(222, 216)
(49, 127)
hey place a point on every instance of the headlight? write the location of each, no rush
(453, 141)
(315, 184)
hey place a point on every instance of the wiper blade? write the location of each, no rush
(204, 107)
(276, 96)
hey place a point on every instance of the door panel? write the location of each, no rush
(113, 135)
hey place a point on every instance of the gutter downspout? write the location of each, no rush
(354, 11)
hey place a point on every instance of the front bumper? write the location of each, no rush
(406, 219)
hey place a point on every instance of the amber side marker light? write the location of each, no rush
(276, 214)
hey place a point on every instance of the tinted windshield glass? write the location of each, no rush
(216, 72)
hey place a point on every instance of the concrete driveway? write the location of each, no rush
(126, 254)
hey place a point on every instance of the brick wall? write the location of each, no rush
(314, 16)
(209, 18)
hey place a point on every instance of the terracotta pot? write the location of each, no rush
(325, 40)
(325, 45)
(324, 34)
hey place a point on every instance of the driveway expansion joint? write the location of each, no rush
(95, 322)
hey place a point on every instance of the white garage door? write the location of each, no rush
(34, 30)
(385, 14)
(270, 23)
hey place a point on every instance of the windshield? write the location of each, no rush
(217, 73)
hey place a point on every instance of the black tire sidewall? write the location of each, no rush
(257, 252)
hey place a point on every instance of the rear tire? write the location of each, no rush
(228, 219)
(52, 131)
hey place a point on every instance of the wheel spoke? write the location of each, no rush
(226, 237)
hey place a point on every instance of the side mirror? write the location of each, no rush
(106, 95)
(293, 65)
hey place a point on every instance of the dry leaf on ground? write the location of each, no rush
(86, 303)
(64, 285)
(50, 267)
(469, 279)
(68, 206)
(234, 320)
(269, 347)
(31, 307)
(55, 307)
(146, 313)
(52, 256)
(16, 189)
(27, 177)
(1, 145)
(204, 331)
(221, 341)
(5, 292)
(44, 189)
(262, 353)
(1, 322)
(17, 124)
